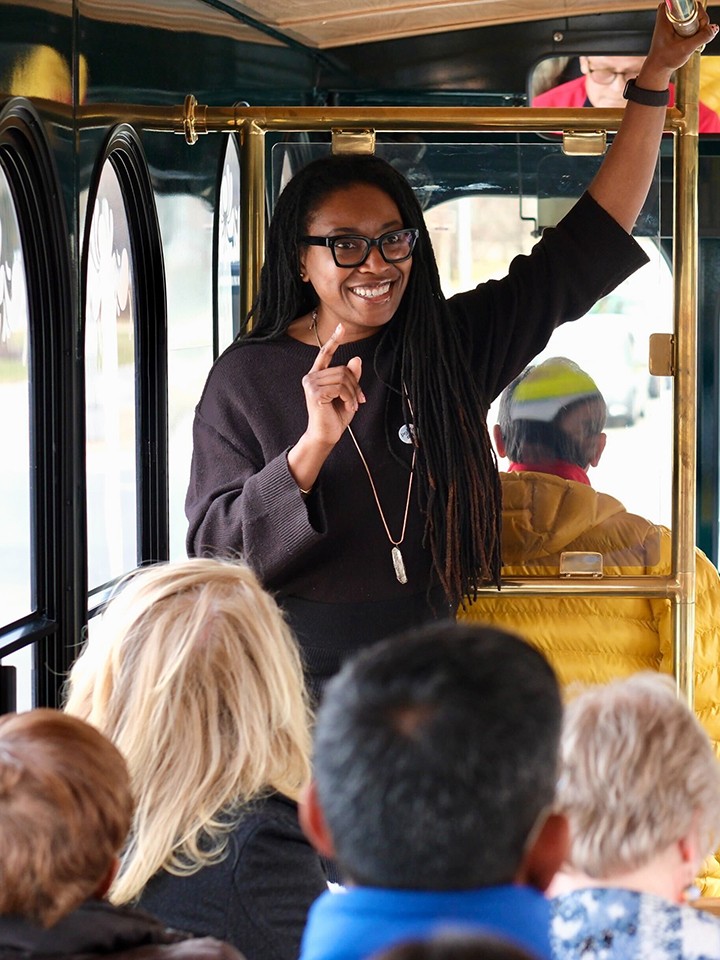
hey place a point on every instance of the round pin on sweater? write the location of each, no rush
(407, 432)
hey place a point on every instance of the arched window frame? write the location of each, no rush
(57, 613)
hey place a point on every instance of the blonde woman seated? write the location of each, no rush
(195, 677)
(640, 786)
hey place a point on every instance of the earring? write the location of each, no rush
(690, 893)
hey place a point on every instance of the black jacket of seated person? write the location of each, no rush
(258, 896)
(97, 930)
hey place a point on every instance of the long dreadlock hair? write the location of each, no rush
(456, 468)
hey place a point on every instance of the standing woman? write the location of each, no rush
(340, 444)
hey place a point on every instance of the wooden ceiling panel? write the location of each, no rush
(336, 23)
(175, 15)
(323, 24)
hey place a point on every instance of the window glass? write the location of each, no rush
(598, 80)
(612, 344)
(228, 253)
(16, 598)
(110, 388)
(22, 661)
(186, 226)
(475, 238)
(710, 82)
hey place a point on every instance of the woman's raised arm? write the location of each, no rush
(622, 183)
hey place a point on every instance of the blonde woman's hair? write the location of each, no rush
(65, 810)
(638, 772)
(194, 675)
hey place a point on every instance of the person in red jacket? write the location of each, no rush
(602, 84)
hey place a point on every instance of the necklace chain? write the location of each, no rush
(396, 555)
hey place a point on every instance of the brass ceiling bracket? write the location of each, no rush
(194, 119)
(579, 143)
(353, 141)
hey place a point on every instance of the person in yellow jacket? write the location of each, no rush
(551, 422)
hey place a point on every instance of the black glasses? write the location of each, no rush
(605, 76)
(351, 251)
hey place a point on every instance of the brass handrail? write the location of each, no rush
(665, 588)
(196, 121)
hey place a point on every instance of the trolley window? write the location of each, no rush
(16, 572)
(110, 387)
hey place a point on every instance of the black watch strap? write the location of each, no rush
(649, 98)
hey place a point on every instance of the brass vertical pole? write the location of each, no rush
(252, 211)
(685, 309)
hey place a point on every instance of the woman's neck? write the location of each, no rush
(309, 329)
(303, 330)
(663, 876)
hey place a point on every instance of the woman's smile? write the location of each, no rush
(375, 292)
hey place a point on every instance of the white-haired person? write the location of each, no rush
(640, 786)
(194, 675)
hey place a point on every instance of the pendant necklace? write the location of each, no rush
(397, 557)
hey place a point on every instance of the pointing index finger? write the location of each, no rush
(327, 350)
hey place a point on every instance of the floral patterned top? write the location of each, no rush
(614, 924)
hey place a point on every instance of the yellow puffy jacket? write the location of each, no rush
(594, 640)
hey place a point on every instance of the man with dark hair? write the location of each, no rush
(435, 766)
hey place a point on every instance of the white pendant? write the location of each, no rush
(399, 565)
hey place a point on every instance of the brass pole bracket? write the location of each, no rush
(194, 119)
(584, 143)
(353, 141)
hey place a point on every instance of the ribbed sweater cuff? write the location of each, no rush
(281, 498)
